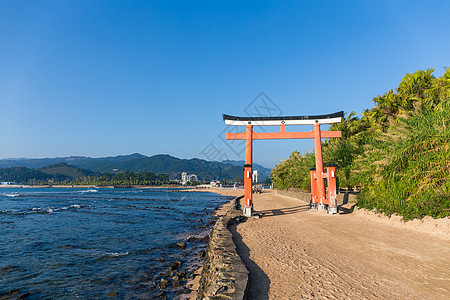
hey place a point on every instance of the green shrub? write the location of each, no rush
(398, 152)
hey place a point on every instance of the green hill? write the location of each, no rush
(60, 173)
(172, 166)
(22, 175)
(78, 166)
(64, 169)
(88, 163)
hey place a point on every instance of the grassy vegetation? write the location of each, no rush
(398, 152)
(294, 172)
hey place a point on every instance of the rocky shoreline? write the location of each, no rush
(179, 272)
(181, 276)
(224, 276)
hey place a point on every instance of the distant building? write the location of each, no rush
(185, 178)
(7, 183)
(214, 183)
(255, 176)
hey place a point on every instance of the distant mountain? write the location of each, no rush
(88, 163)
(26, 175)
(59, 172)
(241, 163)
(69, 171)
(35, 163)
(172, 166)
(264, 172)
(103, 164)
(162, 163)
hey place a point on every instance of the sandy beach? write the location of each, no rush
(221, 191)
(293, 253)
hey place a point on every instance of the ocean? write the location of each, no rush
(69, 243)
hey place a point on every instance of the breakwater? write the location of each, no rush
(224, 275)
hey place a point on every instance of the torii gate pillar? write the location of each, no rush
(248, 172)
(319, 166)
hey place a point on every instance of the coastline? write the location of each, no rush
(94, 186)
(221, 191)
(194, 283)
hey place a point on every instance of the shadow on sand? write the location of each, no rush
(346, 210)
(282, 211)
(259, 283)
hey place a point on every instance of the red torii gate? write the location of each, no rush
(318, 199)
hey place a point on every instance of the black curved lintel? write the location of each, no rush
(339, 114)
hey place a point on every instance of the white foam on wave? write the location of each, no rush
(89, 191)
(9, 211)
(48, 210)
(11, 194)
(116, 254)
(68, 207)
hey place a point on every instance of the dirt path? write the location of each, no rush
(293, 253)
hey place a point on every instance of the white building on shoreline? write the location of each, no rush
(185, 178)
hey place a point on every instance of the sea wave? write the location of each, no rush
(41, 210)
(71, 206)
(52, 209)
(89, 191)
(27, 211)
(10, 194)
(115, 254)
(8, 211)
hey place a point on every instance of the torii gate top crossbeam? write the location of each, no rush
(283, 120)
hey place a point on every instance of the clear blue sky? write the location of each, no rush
(103, 78)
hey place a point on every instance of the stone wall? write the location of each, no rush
(224, 275)
(295, 193)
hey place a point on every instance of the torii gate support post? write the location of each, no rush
(319, 167)
(331, 178)
(248, 172)
(314, 196)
